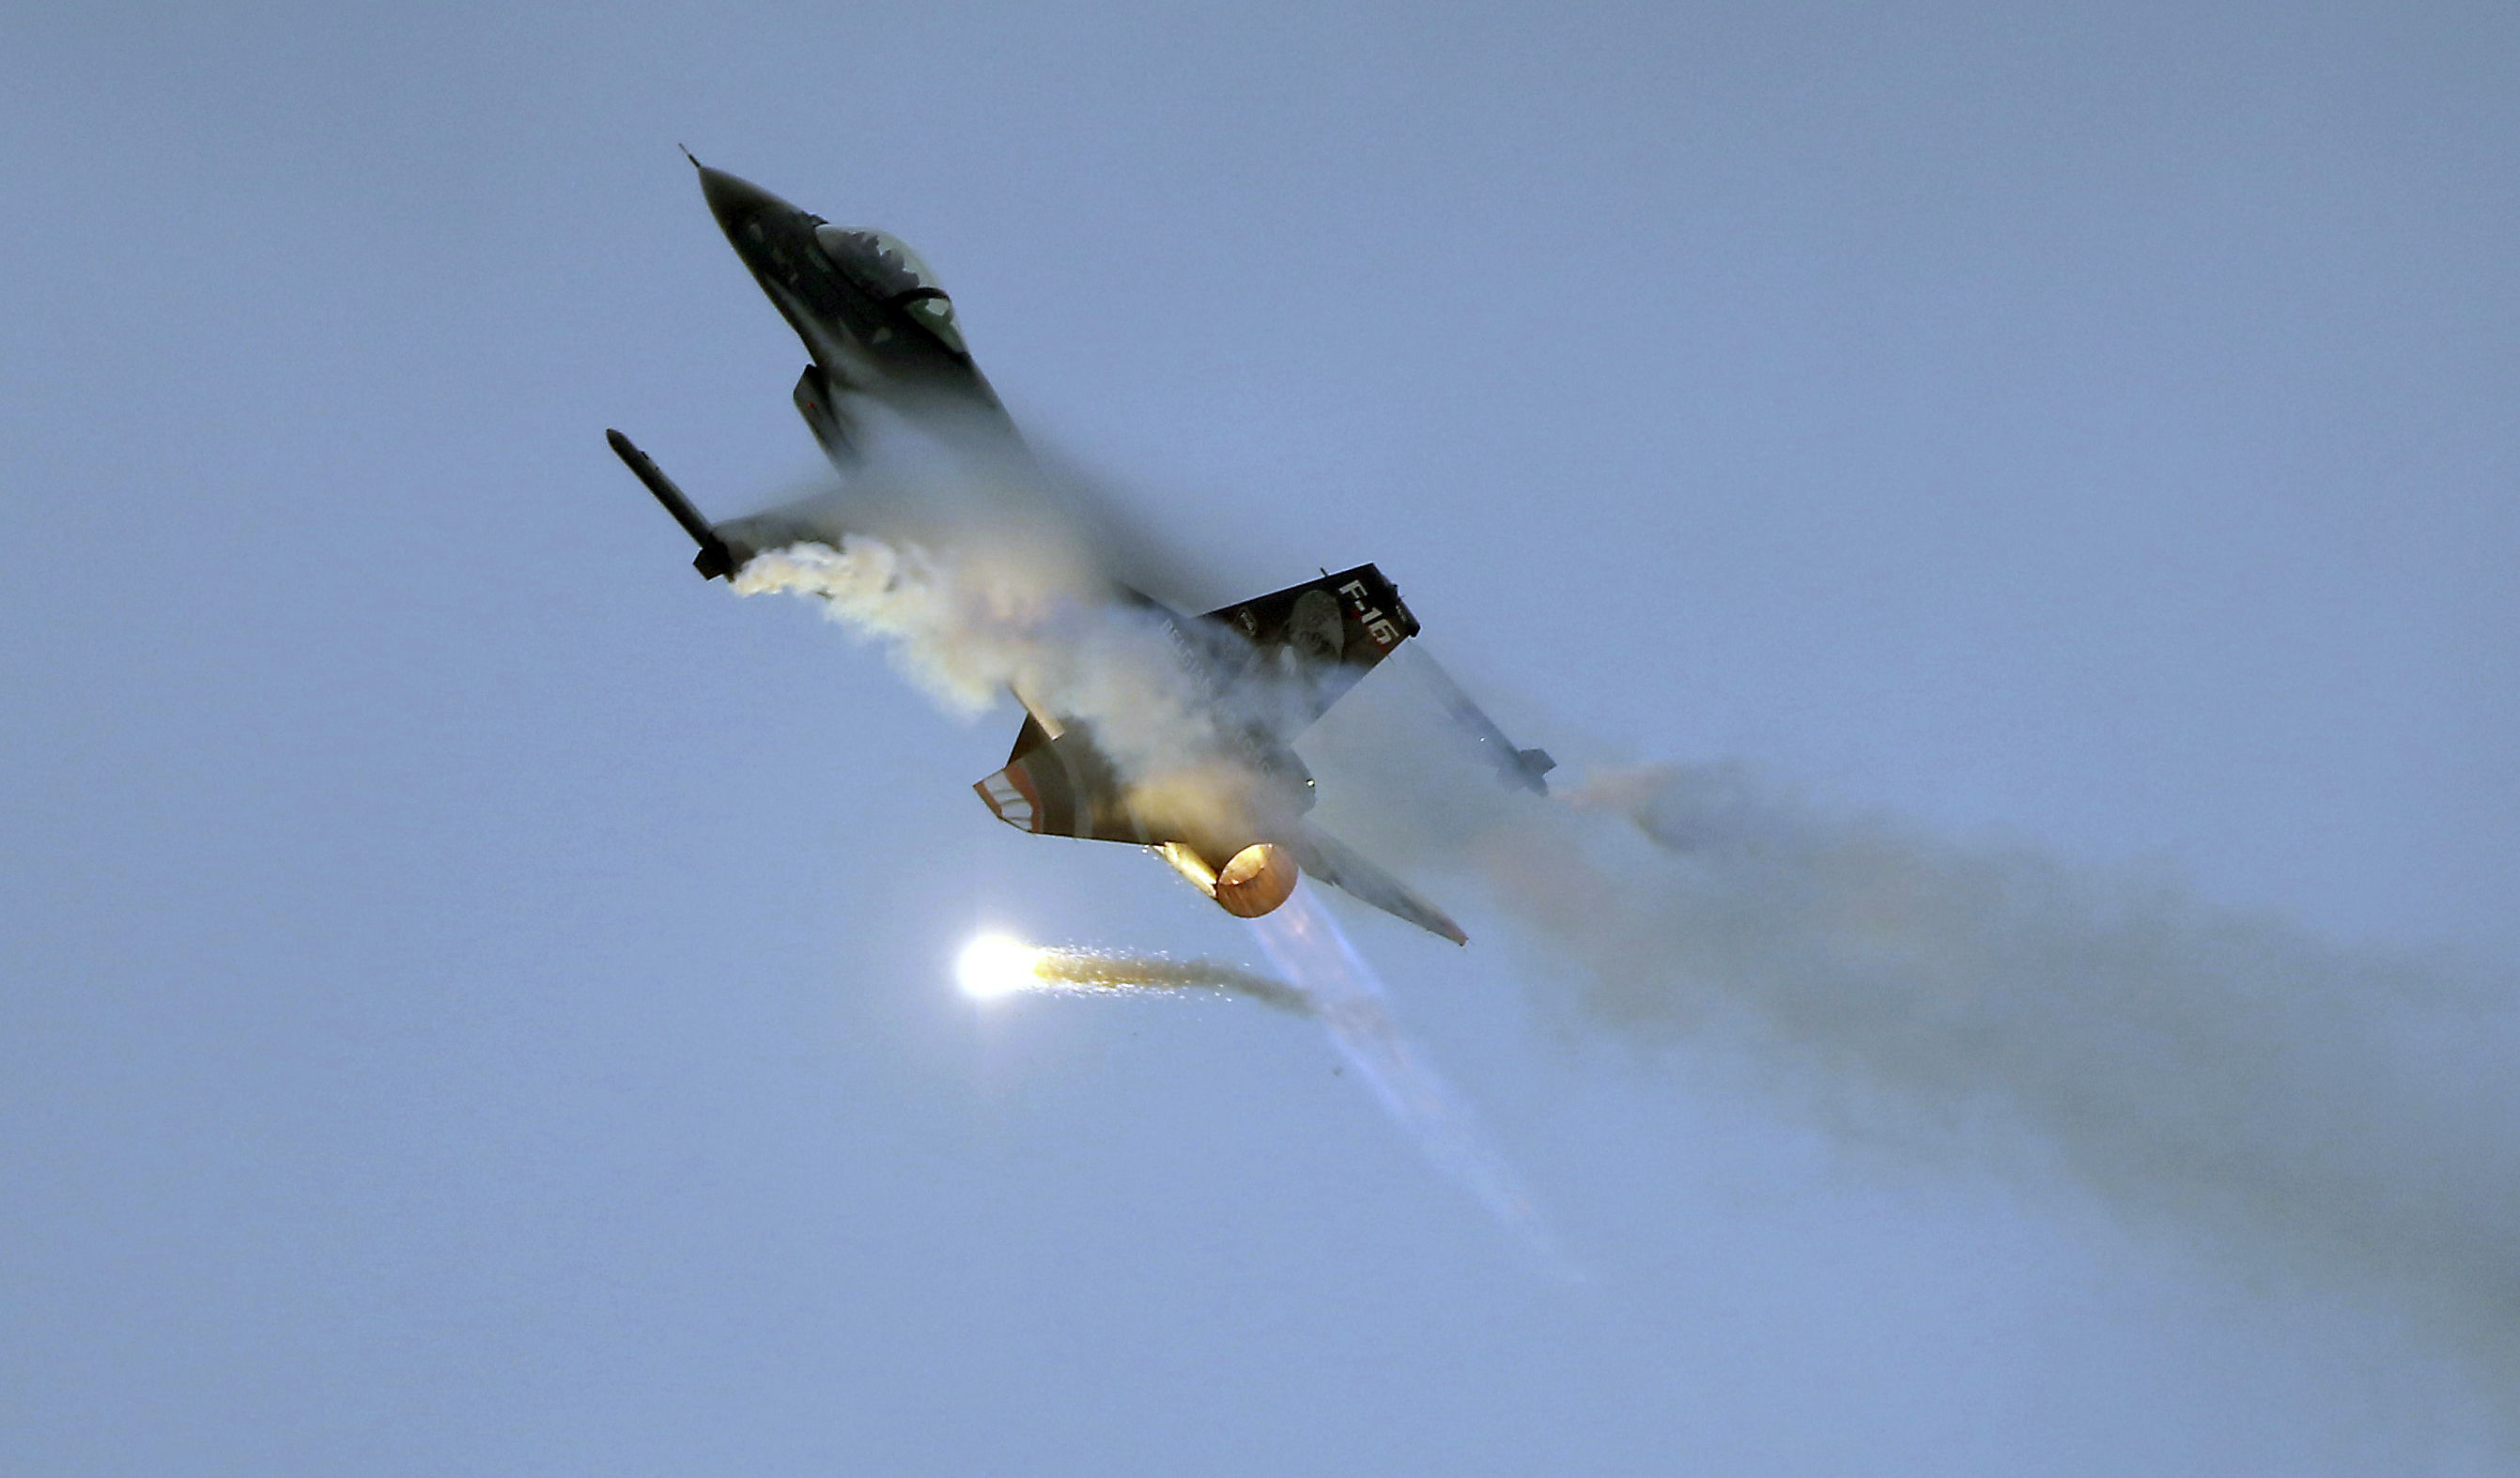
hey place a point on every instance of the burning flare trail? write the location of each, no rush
(1333, 984)
(995, 965)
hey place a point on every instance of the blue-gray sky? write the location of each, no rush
(478, 998)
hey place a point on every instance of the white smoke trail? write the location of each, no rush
(1308, 947)
(2306, 1113)
(967, 625)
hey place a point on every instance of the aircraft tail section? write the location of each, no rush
(1059, 786)
(1321, 636)
(1354, 617)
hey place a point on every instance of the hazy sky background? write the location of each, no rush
(478, 998)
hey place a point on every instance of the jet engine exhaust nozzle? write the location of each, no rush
(1257, 879)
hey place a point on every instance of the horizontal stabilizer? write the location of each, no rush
(1328, 859)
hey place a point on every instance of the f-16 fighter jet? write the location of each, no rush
(1232, 821)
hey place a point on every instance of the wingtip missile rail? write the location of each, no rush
(716, 559)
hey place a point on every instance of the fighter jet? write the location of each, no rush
(1231, 822)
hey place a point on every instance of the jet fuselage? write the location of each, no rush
(873, 321)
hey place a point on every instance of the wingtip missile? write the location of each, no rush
(715, 561)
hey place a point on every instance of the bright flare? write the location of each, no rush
(995, 965)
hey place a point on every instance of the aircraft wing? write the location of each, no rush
(1331, 860)
(1527, 768)
(806, 522)
(726, 546)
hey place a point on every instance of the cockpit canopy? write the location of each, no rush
(886, 265)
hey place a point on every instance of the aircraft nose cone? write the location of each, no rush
(735, 201)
